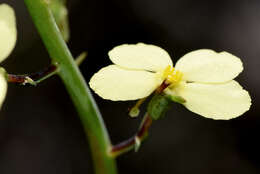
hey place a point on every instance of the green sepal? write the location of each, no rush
(158, 106)
(177, 99)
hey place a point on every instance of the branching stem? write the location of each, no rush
(34, 78)
(75, 84)
(41, 75)
(133, 142)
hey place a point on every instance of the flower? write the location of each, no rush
(204, 78)
(8, 35)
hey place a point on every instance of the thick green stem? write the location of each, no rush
(75, 84)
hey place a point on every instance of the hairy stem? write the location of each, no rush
(72, 78)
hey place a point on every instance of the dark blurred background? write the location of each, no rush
(40, 132)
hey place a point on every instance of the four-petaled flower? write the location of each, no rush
(204, 78)
(8, 36)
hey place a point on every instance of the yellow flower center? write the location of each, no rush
(171, 75)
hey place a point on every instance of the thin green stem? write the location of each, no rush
(79, 92)
(81, 58)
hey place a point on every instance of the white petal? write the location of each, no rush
(8, 33)
(217, 101)
(116, 83)
(140, 56)
(3, 87)
(208, 66)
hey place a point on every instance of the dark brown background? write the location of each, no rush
(39, 129)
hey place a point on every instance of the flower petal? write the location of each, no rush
(209, 66)
(3, 87)
(116, 83)
(140, 56)
(8, 33)
(217, 101)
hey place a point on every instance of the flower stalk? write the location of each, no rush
(41, 75)
(75, 84)
(135, 141)
(34, 78)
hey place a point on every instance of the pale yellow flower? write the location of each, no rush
(8, 35)
(203, 78)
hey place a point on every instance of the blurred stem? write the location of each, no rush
(34, 78)
(81, 58)
(41, 75)
(135, 141)
(72, 78)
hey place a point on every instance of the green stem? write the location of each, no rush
(79, 92)
(81, 58)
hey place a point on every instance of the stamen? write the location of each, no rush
(171, 75)
(167, 71)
